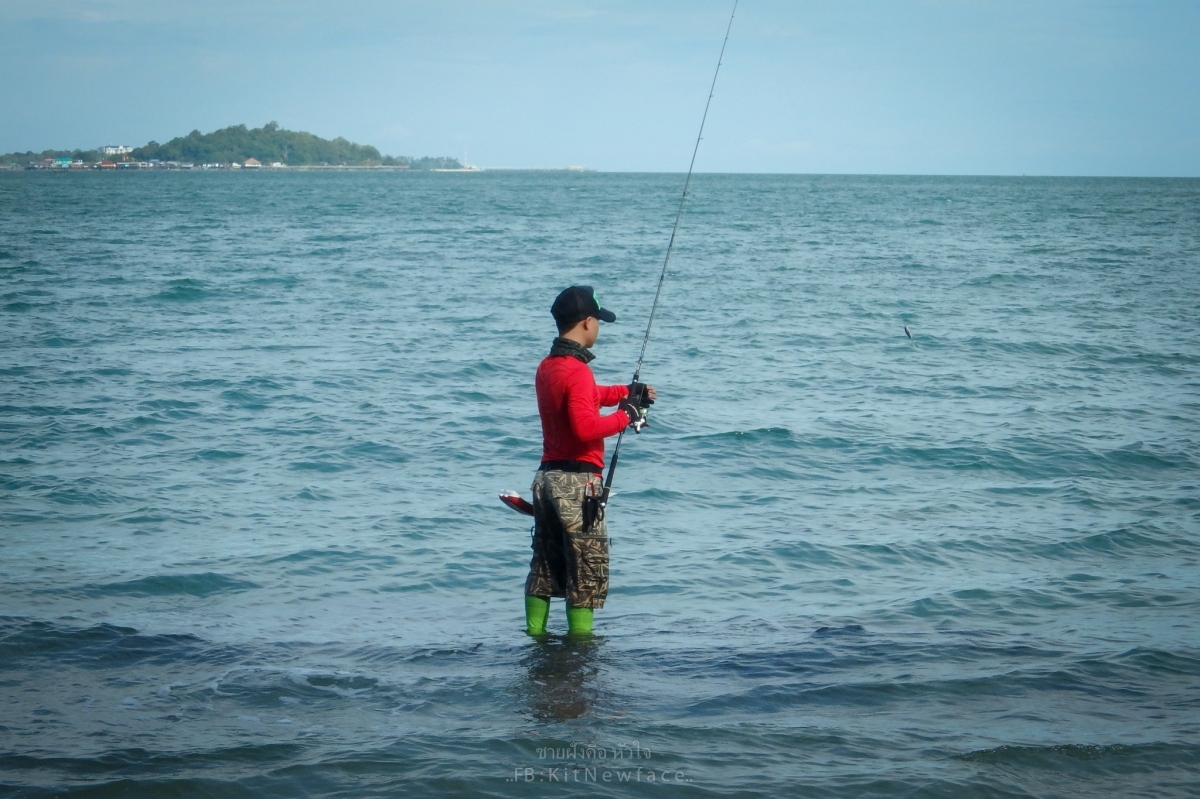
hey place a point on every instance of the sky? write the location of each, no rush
(993, 87)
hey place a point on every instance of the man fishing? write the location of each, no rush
(570, 539)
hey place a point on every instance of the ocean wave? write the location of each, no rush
(782, 696)
(96, 646)
(202, 584)
(218, 455)
(326, 467)
(370, 450)
(321, 560)
(185, 290)
(1089, 757)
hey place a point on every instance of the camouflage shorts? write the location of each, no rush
(567, 562)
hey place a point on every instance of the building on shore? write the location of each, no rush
(116, 149)
(252, 163)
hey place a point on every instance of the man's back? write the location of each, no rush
(569, 403)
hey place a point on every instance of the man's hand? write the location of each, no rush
(637, 416)
(642, 395)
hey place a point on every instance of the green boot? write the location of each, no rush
(579, 621)
(537, 610)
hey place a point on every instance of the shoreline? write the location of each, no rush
(147, 167)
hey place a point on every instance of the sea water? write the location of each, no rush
(252, 429)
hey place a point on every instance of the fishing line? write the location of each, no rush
(637, 372)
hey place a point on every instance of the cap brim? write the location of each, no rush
(605, 315)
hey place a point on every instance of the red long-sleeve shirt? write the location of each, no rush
(569, 402)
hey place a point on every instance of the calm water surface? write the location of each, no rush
(252, 428)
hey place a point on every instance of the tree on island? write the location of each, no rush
(30, 157)
(269, 144)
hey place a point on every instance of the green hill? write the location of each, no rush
(31, 157)
(269, 144)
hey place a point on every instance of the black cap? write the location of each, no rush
(577, 303)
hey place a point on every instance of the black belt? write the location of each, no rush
(570, 466)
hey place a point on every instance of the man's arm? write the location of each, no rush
(611, 395)
(586, 421)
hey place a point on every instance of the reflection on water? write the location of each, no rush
(563, 676)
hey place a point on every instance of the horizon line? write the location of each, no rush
(595, 171)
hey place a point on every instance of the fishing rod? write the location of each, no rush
(637, 372)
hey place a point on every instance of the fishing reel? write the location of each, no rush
(640, 401)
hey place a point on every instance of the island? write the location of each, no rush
(234, 147)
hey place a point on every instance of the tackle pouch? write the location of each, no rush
(593, 507)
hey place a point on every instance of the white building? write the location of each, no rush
(116, 149)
